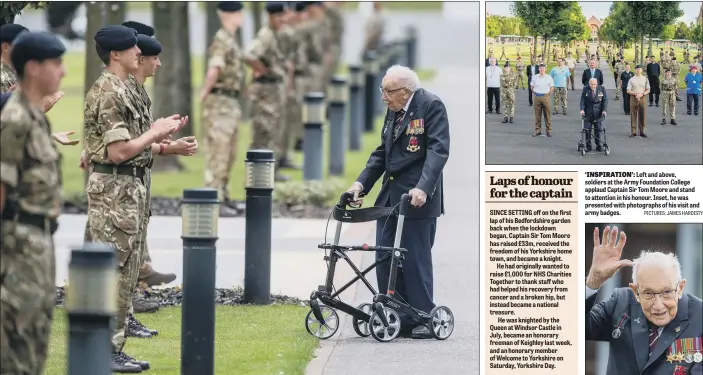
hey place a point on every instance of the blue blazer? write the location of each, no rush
(413, 159)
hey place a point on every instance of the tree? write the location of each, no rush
(493, 26)
(172, 84)
(10, 9)
(682, 31)
(571, 24)
(652, 17)
(668, 32)
(539, 16)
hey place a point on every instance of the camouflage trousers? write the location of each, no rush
(507, 98)
(116, 212)
(316, 82)
(27, 298)
(293, 116)
(619, 87)
(560, 98)
(220, 119)
(668, 100)
(267, 115)
(520, 80)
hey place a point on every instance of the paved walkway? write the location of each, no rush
(513, 143)
(455, 256)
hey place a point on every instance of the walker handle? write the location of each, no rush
(345, 199)
(404, 204)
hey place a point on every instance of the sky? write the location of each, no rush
(597, 8)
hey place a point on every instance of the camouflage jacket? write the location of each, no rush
(374, 28)
(508, 80)
(225, 54)
(675, 69)
(335, 23)
(29, 159)
(142, 102)
(619, 68)
(519, 66)
(300, 61)
(267, 49)
(668, 84)
(8, 78)
(665, 64)
(111, 116)
(288, 43)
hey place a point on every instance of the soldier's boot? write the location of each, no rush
(157, 278)
(286, 163)
(143, 365)
(299, 145)
(135, 330)
(121, 365)
(511, 120)
(563, 112)
(280, 177)
(135, 325)
(673, 122)
(505, 120)
(141, 305)
(663, 122)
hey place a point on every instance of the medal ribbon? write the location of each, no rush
(622, 321)
(689, 345)
(672, 349)
(679, 346)
(697, 344)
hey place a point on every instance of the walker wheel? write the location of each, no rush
(583, 151)
(441, 322)
(361, 327)
(322, 330)
(606, 149)
(379, 331)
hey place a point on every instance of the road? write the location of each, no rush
(510, 144)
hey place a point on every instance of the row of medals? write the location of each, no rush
(689, 357)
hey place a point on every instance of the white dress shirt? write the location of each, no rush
(541, 84)
(493, 73)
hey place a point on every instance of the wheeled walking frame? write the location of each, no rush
(587, 138)
(381, 319)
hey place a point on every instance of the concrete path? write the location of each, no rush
(513, 143)
(455, 262)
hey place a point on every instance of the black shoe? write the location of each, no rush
(678, 99)
(144, 365)
(158, 278)
(633, 135)
(497, 111)
(505, 120)
(141, 305)
(287, 164)
(673, 122)
(489, 111)
(643, 135)
(280, 178)
(530, 104)
(135, 328)
(227, 211)
(564, 113)
(298, 145)
(657, 104)
(511, 120)
(650, 104)
(588, 148)
(663, 122)
(688, 113)
(120, 365)
(421, 333)
(536, 134)
(599, 149)
(549, 134)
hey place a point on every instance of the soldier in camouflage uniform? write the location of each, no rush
(619, 68)
(560, 92)
(220, 105)
(508, 80)
(318, 42)
(490, 48)
(668, 85)
(374, 28)
(30, 203)
(502, 51)
(334, 22)
(120, 146)
(267, 91)
(520, 72)
(675, 71)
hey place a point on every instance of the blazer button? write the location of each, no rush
(390, 178)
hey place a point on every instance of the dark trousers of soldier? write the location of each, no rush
(654, 92)
(638, 113)
(594, 130)
(692, 100)
(493, 93)
(28, 269)
(116, 217)
(543, 108)
(529, 91)
(59, 13)
(414, 281)
(626, 101)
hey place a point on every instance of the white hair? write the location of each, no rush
(406, 76)
(592, 80)
(657, 258)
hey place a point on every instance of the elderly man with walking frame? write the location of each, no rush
(412, 153)
(594, 103)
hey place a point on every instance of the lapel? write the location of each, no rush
(669, 333)
(640, 334)
(411, 112)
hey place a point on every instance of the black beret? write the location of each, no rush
(140, 28)
(9, 32)
(116, 38)
(148, 45)
(4, 97)
(37, 46)
(300, 6)
(230, 6)
(638, 66)
(275, 7)
(667, 70)
(542, 66)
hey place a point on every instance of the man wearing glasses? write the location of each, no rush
(414, 147)
(653, 327)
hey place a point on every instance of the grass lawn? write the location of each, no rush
(67, 115)
(256, 340)
(511, 53)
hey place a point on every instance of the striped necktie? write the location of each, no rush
(398, 122)
(653, 336)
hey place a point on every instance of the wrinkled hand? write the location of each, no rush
(49, 101)
(582, 113)
(185, 146)
(62, 137)
(417, 197)
(606, 256)
(356, 189)
(83, 164)
(604, 114)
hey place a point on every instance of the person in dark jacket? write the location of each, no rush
(594, 103)
(653, 73)
(592, 72)
(625, 78)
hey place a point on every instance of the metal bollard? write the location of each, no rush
(371, 91)
(91, 304)
(313, 119)
(199, 217)
(337, 111)
(356, 107)
(259, 183)
(411, 48)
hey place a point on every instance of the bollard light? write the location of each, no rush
(200, 211)
(258, 222)
(91, 305)
(356, 106)
(338, 96)
(313, 118)
(370, 90)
